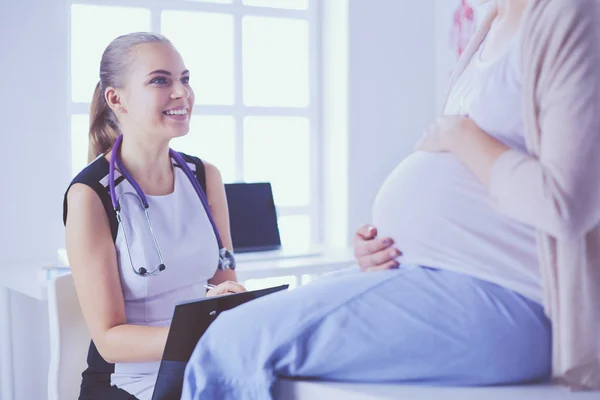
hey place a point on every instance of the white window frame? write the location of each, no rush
(238, 110)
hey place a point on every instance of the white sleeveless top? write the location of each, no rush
(439, 213)
(189, 248)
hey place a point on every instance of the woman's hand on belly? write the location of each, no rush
(444, 133)
(460, 135)
(224, 288)
(373, 253)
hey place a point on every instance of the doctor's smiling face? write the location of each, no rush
(156, 99)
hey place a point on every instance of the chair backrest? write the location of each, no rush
(69, 339)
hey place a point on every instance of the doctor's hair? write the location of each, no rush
(114, 67)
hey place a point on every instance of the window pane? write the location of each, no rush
(211, 138)
(205, 41)
(276, 149)
(295, 231)
(92, 29)
(80, 125)
(275, 62)
(290, 4)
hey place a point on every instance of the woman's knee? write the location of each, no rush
(237, 336)
(517, 358)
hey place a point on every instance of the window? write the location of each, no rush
(254, 71)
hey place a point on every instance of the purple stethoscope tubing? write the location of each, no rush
(225, 257)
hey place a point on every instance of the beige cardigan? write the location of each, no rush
(556, 187)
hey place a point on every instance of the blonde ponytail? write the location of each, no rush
(104, 129)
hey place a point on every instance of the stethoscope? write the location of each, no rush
(226, 258)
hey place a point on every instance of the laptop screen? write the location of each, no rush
(252, 217)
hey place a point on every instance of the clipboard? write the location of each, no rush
(190, 320)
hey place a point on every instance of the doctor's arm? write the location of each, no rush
(93, 260)
(217, 202)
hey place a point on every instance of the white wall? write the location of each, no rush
(34, 131)
(35, 166)
(391, 92)
(445, 57)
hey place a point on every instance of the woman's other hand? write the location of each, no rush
(373, 253)
(227, 287)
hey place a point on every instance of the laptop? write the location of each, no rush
(190, 321)
(254, 228)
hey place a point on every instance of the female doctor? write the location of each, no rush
(146, 227)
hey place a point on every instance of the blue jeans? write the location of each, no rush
(410, 325)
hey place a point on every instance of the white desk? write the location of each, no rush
(33, 282)
(329, 261)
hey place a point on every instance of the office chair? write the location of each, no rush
(69, 339)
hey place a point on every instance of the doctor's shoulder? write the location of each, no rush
(208, 174)
(88, 189)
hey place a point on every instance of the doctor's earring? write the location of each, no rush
(122, 109)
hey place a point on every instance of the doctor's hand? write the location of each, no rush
(227, 287)
(373, 253)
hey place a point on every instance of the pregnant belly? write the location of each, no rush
(439, 213)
